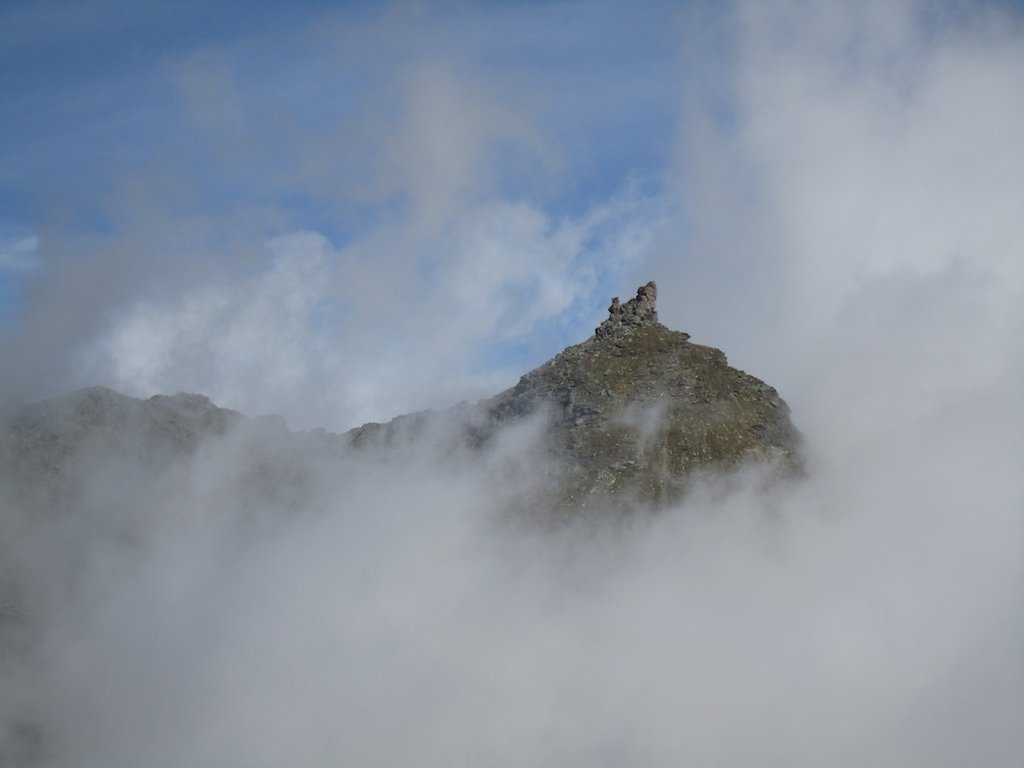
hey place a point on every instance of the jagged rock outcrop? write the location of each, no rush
(637, 311)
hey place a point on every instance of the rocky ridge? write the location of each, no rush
(635, 409)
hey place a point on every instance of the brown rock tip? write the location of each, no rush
(638, 311)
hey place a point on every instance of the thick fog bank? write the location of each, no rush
(388, 614)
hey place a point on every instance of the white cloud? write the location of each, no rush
(442, 148)
(865, 150)
(388, 324)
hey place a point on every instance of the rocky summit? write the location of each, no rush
(635, 410)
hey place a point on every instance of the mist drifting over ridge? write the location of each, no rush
(834, 205)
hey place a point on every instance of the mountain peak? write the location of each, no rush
(631, 414)
(635, 410)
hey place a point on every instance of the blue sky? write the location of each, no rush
(99, 93)
(452, 191)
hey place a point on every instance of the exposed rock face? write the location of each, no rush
(637, 409)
